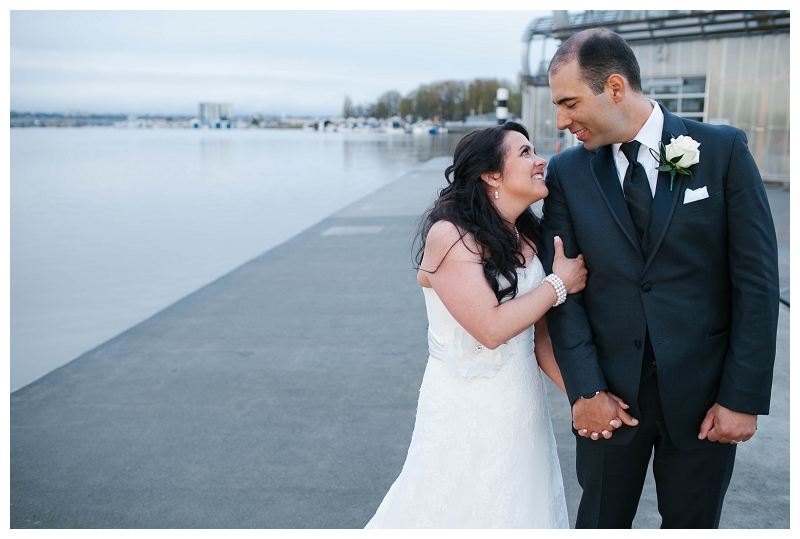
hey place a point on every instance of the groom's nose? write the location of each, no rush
(563, 120)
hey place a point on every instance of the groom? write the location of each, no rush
(679, 314)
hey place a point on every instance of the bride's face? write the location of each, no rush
(522, 177)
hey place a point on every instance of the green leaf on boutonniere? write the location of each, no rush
(669, 165)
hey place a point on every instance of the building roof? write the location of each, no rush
(637, 26)
(647, 26)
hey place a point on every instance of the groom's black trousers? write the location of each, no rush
(690, 485)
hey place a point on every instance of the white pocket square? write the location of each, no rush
(693, 195)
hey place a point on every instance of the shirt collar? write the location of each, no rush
(650, 133)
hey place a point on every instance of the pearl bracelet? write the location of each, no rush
(558, 285)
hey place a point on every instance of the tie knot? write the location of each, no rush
(631, 150)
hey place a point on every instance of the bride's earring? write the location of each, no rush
(496, 194)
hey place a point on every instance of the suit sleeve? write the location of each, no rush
(568, 324)
(746, 382)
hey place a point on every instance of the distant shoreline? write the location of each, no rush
(330, 124)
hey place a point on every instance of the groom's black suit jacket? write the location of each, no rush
(706, 290)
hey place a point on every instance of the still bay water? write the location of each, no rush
(110, 226)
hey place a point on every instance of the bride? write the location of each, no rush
(483, 454)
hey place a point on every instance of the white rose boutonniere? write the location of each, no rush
(681, 153)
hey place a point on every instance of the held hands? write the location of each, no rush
(600, 415)
(572, 271)
(726, 426)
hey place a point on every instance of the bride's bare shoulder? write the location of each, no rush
(447, 233)
(445, 237)
(446, 241)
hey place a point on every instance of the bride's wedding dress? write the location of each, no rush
(482, 454)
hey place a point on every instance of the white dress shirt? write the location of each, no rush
(650, 137)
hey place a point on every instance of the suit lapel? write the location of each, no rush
(605, 175)
(665, 200)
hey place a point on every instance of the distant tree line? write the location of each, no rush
(446, 100)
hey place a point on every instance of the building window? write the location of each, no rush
(682, 96)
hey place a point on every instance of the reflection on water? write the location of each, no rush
(221, 150)
(110, 226)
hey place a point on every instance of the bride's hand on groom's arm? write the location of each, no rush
(600, 416)
(571, 271)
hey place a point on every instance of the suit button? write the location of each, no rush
(637, 343)
(646, 287)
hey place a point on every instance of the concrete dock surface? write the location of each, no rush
(283, 395)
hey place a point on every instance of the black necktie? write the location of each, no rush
(637, 188)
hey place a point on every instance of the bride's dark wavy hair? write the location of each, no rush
(465, 203)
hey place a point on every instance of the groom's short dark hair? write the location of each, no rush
(600, 53)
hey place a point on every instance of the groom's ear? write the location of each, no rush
(616, 85)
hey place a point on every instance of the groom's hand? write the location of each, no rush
(600, 416)
(726, 426)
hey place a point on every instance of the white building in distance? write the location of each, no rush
(211, 113)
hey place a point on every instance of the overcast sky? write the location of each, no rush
(295, 62)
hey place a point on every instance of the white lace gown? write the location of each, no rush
(482, 454)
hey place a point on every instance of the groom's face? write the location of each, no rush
(591, 118)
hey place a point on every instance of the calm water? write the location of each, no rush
(109, 226)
